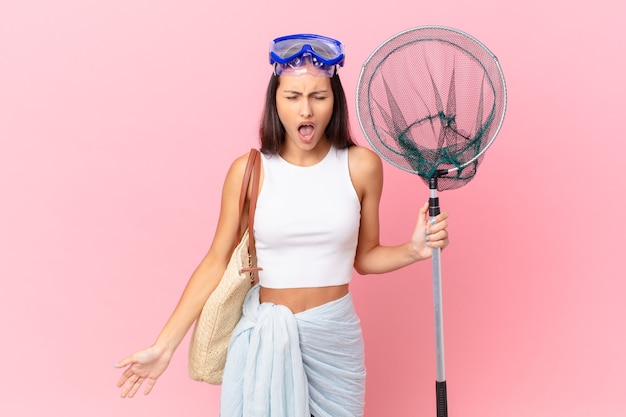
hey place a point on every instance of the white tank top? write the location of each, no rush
(306, 223)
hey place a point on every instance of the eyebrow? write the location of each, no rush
(311, 93)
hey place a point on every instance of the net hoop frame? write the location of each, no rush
(364, 67)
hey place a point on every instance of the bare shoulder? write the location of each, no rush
(237, 168)
(366, 171)
(364, 162)
(239, 164)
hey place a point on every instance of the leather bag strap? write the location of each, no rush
(253, 198)
(253, 170)
(246, 180)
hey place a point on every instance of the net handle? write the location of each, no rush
(440, 383)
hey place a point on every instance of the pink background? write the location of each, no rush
(118, 120)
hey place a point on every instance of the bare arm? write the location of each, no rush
(371, 257)
(148, 364)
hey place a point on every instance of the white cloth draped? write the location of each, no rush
(285, 365)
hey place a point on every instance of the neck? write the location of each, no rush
(305, 157)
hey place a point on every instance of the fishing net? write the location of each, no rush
(430, 101)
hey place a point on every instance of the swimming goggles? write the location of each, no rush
(290, 55)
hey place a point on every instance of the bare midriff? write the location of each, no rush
(301, 299)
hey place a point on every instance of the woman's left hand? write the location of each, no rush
(429, 233)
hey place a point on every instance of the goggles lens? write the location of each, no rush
(328, 51)
(305, 64)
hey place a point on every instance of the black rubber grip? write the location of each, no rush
(442, 399)
(433, 207)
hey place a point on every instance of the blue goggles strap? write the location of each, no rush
(287, 48)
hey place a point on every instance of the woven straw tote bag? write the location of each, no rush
(223, 308)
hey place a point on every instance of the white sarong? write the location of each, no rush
(285, 365)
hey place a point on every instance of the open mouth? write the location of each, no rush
(306, 131)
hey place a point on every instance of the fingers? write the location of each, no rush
(135, 387)
(149, 386)
(437, 240)
(436, 233)
(440, 217)
(422, 214)
(131, 386)
(438, 223)
(123, 379)
(424, 208)
(130, 382)
(128, 372)
(143, 366)
(124, 362)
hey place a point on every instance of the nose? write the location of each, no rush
(306, 110)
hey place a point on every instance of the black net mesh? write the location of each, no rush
(430, 101)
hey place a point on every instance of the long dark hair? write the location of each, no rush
(272, 131)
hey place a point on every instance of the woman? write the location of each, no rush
(298, 348)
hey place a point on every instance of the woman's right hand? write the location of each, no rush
(142, 366)
(148, 364)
